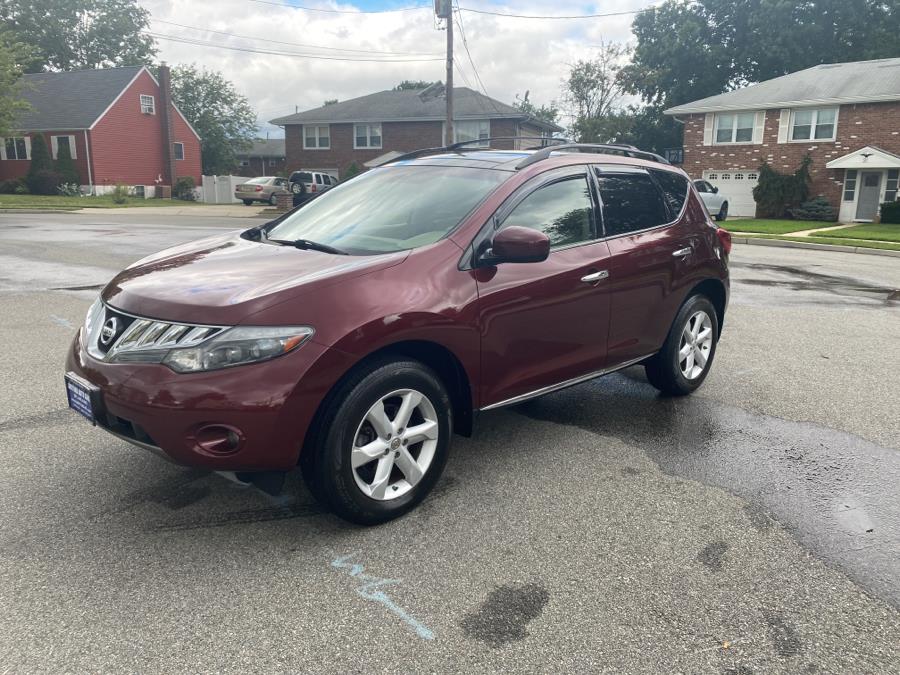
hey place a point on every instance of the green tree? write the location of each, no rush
(41, 178)
(221, 115)
(65, 165)
(330, 101)
(414, 84)
(592, 95)
(548, 112)
(76, 34)
(12, 54)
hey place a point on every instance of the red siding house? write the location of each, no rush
(845, 116)
(119, 124)
(369, 130)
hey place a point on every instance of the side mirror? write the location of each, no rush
(715, 190)
(515, 244)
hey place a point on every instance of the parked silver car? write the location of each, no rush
(312, 182)
(716, 204)
(262, 189)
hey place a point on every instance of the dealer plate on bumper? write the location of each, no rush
(84, 397)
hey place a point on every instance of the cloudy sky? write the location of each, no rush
(341, 54)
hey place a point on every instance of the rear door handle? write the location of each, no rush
(682, 252)
(596, 276)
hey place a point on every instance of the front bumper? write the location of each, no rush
(270, 405)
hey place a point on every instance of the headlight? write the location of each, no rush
(238, 346)
(92, 317)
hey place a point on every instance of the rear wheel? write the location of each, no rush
(248, 202)
(723, 212)
(687, 354)
(382, 442)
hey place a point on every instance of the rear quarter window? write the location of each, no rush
(674, 187)
(303, 176)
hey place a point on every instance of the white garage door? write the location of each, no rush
(737, 187)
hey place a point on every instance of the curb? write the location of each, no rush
(759, 241)
(60, 210)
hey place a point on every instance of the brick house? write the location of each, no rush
(363, 130)
(846, 116)
(264, 158)
(118, 123)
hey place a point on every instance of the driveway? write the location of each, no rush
(752, 527)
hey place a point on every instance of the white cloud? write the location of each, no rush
(512, 55)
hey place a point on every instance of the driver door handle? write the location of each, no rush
(596, 276)
(682, 252)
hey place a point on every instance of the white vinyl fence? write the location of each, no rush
(220, 189)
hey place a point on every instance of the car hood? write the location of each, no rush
(222, 280)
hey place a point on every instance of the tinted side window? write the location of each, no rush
(319, 178)
(561, 210)
(631, 202)
(674, 187)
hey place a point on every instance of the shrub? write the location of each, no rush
(70, 190)
(351, 171)
(815, 209)
(890, 213)
(65, 166)
(44, 182)
(777, 193)
(41, 165)
(184, 189)
(12, 186)
(120, 194)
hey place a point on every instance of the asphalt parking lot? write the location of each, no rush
(753, 527)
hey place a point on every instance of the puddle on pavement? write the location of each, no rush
(835, 491)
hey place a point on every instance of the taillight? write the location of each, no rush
(725, 238)
(312, 188)
(259, 188)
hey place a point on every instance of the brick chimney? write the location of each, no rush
(165, 118)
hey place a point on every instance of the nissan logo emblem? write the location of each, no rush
(109, 330)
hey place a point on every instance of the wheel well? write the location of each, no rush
(440, 359)
(715, 291)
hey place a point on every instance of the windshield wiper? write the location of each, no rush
(308, 245)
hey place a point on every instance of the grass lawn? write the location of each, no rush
(65, 203)
(767, 226)
(882, 232)
(835, 241)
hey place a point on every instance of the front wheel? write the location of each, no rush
(382, 442)
(248, 202)
(273, 200)
(687, 354)
(723, 212)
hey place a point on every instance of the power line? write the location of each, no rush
(285, 5)
(253, 50)
(465, 42)
(553, 16)
(295, 44)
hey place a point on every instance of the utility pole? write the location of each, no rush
(449, 92)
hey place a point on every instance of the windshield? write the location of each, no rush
(391, 208)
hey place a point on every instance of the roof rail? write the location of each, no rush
(463, 145)
(601, 148)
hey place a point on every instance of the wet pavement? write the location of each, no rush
(752, 527)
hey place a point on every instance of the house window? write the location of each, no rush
(148, 104)
(890, 191)
(734, 127)
(273, 162)
(752, 176)
(813, 124)
(179, 150)
(850, 185)
(16, 148)
(245, 162)
(366, 136)
(316, 137)
(57, 142)
(477, 130)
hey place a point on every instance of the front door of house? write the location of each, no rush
(869, 191)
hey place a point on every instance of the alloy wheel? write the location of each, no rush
(695, 345)
(394, 444)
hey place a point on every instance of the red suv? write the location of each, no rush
(355, 334)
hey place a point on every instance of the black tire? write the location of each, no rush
(248, 202)
(273, 200)
(723, 212)
(297, 188)
(325, 463)
(664, 370)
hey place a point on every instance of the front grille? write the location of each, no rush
(114, 336)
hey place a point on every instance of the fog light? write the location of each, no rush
(218, 439)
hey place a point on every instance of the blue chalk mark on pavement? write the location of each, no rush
(370, 591)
